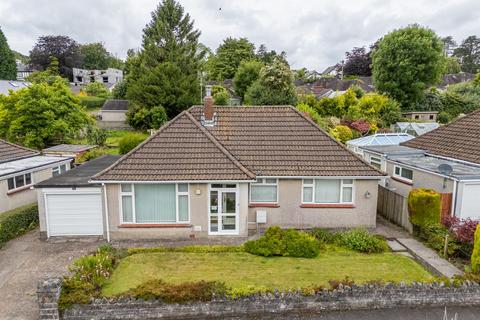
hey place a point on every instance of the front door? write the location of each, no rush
(223, 212)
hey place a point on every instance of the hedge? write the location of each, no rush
(476, 252)
(91, 102)
(424, 206)
(18, 221)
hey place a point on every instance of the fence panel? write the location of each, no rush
(393, 207)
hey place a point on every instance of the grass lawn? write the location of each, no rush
(239, 270)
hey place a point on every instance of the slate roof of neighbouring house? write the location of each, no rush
(459, 139)
(80, 175)
(115, 105)
(10, 152)
(244, 143)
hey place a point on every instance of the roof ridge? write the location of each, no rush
(220, 146)
(166, 125)
(337, 142)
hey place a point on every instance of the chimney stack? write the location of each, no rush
(208, 105)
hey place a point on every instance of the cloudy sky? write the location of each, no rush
(315, 34)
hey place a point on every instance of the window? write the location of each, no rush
(264, 191)
(417, 117)
(19, 181)
(376, 162)
(58, 170)
(154, 203)
(105, 79)
(431, 117)
(327, 191)
(403, 173)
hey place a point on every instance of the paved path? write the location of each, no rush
(23, 262)
(429, 258)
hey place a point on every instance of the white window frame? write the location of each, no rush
(376, 161)
(25, 186)
(134, 215)
(263, 182)
(58, 169)
(399, 176)
(342, 185)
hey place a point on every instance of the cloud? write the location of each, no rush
(315, 34)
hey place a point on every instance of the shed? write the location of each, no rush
(68, 150)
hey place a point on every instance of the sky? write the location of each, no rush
(315, 34)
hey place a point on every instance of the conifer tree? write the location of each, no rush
(8, 66)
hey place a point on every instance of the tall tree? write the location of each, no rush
(8, 66)
(95, 56)
(406, 62)
(469, 54)
(274, 86)
(267, 57)
(358, 62)
(165, 71)
(246, 74)
(449, 45)
(224, 63)
(64, 48)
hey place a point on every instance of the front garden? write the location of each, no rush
(280, 260)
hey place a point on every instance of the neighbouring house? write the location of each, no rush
(329, 71)
(7, 85)
(227, 171)
(108, 76)
(68, 150)
(414, 128)
(426, 116)
(446, 159)
(114, 114)
(69, 205)
(20, 169)
(23, 70)
(377, 139)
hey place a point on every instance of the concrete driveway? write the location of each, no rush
(23, 262)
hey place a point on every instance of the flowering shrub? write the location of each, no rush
(462, 229)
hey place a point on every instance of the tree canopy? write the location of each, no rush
(247, 73)
(406, 62)
(63, 48)
(8, 66)
(165, 71)
(228, 56)
(274, 86)
(358, 62)
(42, 115)
(469, 54)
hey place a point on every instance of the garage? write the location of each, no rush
(75, 213)
(470, 204)
(69, 205)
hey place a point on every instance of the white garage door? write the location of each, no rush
(470, 201)
(74, 214)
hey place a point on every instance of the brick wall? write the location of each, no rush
(343, 298)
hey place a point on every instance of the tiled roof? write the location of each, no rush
(182, 150)
(459, 139)
(10, 151)
(244, 143)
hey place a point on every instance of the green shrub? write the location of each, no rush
(92, 154)
(96, 136)
(444, 117)
(178, 293)
(323, 235)
(434, 235)
(300, 244)
(96, 89)
(130, 141)
(362, 241)
(90, 102)
(16, 222)
(278, 242)
(221, 98)
(424, 206)
(476, 252)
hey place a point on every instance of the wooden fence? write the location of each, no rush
(393, 207)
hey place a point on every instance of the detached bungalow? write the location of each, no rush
(225, 171)
(20, 169)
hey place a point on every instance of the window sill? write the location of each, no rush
(156, 225)
(263, 205)
(327, 205)
(13, 191)
(410, 183)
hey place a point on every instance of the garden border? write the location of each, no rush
(342, 298)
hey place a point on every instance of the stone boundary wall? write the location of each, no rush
(343, 298)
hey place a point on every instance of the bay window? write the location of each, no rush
(264, 191)
(154, 203)
(327, 191)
